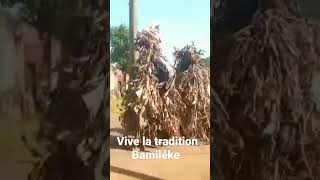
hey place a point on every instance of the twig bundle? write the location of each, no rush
(151, 113)
(145, 111)
(266, 88)
(193, 86)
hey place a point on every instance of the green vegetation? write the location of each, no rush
(207, 62)
(119, 37)
(115, 105)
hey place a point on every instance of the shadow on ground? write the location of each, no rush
(132, 173)
(113, 138)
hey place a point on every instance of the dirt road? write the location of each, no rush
(194, 163)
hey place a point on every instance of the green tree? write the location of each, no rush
(207, 62)
(119, 37)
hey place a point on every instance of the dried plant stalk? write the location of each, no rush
(266, 88)
(150, 112)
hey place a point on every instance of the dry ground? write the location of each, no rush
(15, 161)
(194, 162)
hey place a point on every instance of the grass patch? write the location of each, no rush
(115, 105)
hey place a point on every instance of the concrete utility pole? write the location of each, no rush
(133, 26)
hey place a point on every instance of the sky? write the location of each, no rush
(181, 21)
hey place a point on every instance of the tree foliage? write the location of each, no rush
(206, 62)
(119, 36)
